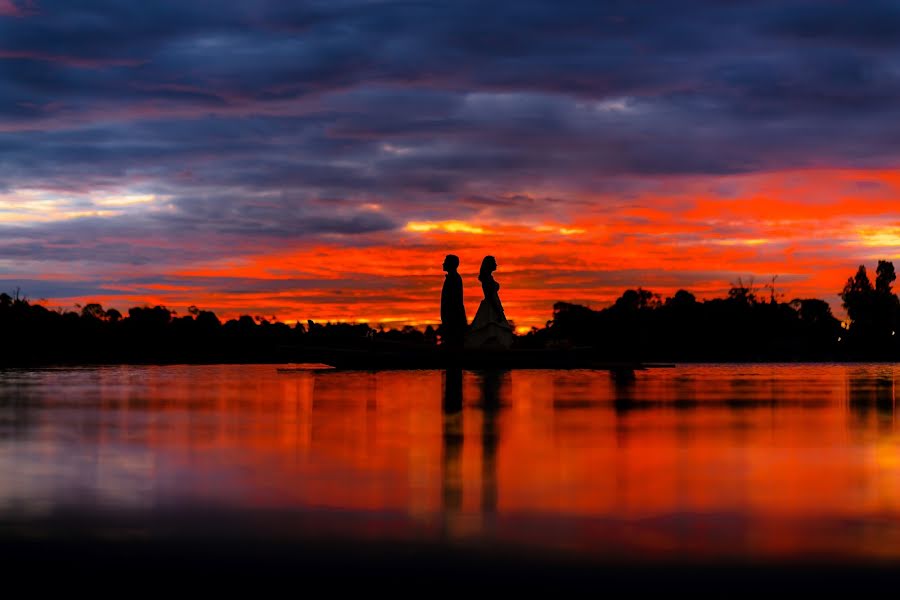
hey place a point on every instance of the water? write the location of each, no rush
(705, 462)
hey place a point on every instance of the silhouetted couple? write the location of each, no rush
(489, 329)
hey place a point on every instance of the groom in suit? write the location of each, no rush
(453, 311)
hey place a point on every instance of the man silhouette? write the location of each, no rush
(453, 311)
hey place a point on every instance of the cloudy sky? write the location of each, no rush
(317, 159)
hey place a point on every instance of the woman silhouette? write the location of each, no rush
(489, 329)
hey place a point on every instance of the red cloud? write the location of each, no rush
(809, 228)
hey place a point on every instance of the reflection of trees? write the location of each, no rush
(623, 389)
(868, 393)
(18, 412)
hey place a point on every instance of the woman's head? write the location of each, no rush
(488, 266)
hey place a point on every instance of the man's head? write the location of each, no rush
(451, 263)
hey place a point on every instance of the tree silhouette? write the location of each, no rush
(873, 310)
(884, 306)
(681, 299)
(857, 295)
(742, 294)
(885, 277)
(812, 310)
(639, 299)
(151, 318)
(94, 311)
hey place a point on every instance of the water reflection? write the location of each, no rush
(752, 460)
(872, 391)
(493, 391)
(451, 461)
(494, 386)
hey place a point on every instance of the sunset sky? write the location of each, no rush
(317, 160)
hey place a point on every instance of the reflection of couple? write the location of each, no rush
(489, 329)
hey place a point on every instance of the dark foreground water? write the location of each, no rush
(696, 467)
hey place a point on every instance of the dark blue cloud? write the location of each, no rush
(277, 119)
(36, 289)
(875, 23)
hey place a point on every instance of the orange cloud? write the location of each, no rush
(809, 228)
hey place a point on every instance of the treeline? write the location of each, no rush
(747, 324)
(640, 325)
(33, 334)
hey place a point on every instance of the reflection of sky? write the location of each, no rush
(318, 160)
(757, 460)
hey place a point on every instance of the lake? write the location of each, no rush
(693, 463)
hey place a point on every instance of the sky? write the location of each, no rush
(317, 160)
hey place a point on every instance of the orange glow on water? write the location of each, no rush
(740, 461)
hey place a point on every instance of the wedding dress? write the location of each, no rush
(489, 328)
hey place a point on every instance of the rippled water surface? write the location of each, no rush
(694, 461)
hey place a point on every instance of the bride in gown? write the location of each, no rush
(489, 329)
